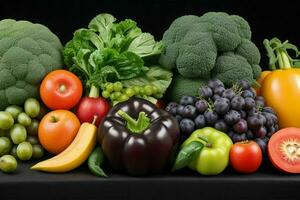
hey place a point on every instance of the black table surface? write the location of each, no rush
(267, 183)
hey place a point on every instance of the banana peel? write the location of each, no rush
(74, 155)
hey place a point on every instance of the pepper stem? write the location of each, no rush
(94, 92)
(135, 126)
(205, 140)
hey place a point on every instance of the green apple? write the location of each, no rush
(214, 156)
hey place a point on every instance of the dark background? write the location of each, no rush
(267, 19)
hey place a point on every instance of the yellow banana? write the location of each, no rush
(76, 153)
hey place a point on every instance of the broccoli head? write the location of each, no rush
(214, 45)
(27, 53)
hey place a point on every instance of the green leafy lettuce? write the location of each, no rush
(109, 51)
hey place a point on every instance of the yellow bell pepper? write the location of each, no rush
(281, 87)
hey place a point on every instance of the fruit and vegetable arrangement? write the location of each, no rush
(118, 100)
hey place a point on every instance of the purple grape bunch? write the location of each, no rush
(237, 111)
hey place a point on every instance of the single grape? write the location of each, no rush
(200, 121)
(129, 92)
(219, 90)
(8, 164)
(105, 94)
(241, 126)
(115, 95)
(32, 129)
(271, 131)
(213, 83)
(232, 117)
(243, 84)
(254, 123)
(123, 97)
(148, 90)
(18, 133)
(32, 139)
(260, 101)
(6, 120)
(237, 103)
(222, 105)
(155, 89)
(24, 119)
(205, 92)
(173, 111)
(37, 151)
(215, 97)
(171, 105)
(14, 111)
(137, 89)
(211, 117)
(260, 133)
(236, 137)
(187, 126)
(118, 86)
(253, 111)
(180, 109)
(269, 110)
(109, 87)
(262, 144)
(228, 93)
(189, 111)
(243, 114)
(221, 126)
(201, 105)
(187, 100)
(247, 94)
(249, 103)
(32, 107)
(262, 118)
(5, 145)
(24, 151)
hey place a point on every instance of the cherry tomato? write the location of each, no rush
(245, 156)
(61, 89)
(57, 130)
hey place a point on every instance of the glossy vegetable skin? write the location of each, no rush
(214, 157)
(281, 90)
(245, 156)
(61, 89)
(142, 146)
(57, 130)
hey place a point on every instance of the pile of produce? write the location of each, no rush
(215, 45)
(106, 104)
(19, 131)
(236, 111)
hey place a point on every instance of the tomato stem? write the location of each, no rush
(94, 92)
(62, 88)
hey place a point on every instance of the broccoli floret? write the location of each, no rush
(256, 70)
(197, 55)
(231, 67)
(242, 26)
(248, 50)
(213, 45)
(27, 53)
(223, 30)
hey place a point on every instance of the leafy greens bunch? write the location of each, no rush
(109, 52)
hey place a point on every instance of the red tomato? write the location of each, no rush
(245, 156)
(57, 130)
(284, 150)
(61, 89)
